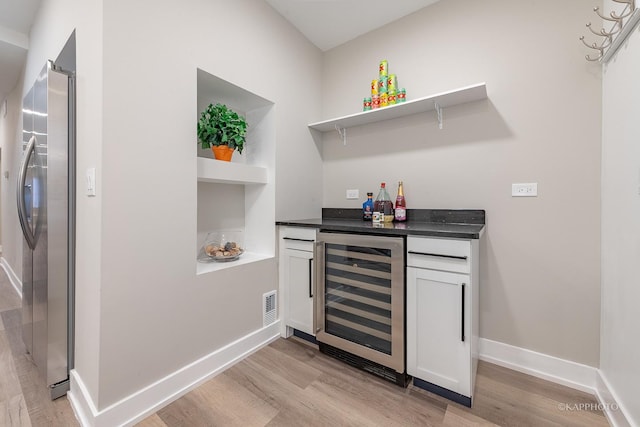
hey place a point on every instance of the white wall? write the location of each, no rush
(541, 123)
(620, 347)
(157, 316)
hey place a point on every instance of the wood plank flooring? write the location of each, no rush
(24, 401)
(290, 383)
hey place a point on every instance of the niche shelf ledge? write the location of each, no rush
(245, 258)
(441, 100)
(216, 171)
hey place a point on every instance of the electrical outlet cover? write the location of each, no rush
(353, 194)
(524, 190)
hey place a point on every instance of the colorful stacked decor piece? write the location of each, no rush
(384, 90)
(402, 96)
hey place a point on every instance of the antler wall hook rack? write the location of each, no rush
(624, 21)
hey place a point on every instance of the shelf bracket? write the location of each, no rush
(343, 133)
(438, 113)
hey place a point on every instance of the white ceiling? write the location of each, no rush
(326, 23)
(16, 18)
(330, 23)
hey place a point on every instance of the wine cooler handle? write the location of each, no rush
(462, 336)
(318, 301)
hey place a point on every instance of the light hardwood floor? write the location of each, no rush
(289, 383)
(24, 401)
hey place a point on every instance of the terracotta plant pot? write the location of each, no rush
(222, 152)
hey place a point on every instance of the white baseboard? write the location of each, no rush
(614, 411)
(13, 278)
(550, 368)
(148, 400)
(571, 374)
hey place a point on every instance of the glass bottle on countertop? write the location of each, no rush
(383, 205)
(401, 205)
(367, 208)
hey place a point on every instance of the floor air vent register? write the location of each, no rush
(269, 308)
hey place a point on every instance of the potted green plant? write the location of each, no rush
(223, 130)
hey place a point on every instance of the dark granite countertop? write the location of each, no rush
(462, 224)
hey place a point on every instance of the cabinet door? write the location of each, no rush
(438, 328)
(300, 288)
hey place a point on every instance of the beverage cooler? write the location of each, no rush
(360, 304)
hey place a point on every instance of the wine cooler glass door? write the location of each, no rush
(362, 309)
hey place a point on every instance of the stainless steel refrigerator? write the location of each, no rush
(45, 213)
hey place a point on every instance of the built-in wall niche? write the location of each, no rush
(220, 207)
(238, 195)
(213, 90)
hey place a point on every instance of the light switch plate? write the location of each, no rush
(353, 194)
(91, 182)
(524, 190)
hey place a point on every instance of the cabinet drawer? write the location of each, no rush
(301, 239)
(439, 254)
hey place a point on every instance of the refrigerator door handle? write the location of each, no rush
(22, 208)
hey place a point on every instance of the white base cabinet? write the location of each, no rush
(298, 284)
(438, 345)
(442, 315)
(298, 270)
